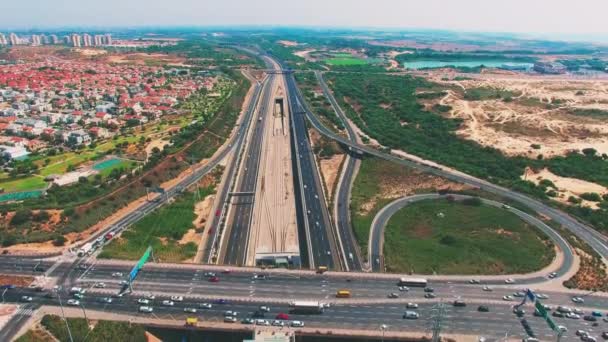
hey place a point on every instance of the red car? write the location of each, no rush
(214, 279)
(282, 317)
(226, 271)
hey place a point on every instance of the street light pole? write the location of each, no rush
(63, 315)
(383, 327)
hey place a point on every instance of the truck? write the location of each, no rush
(85, 249)
(415, 282)
(306, 307)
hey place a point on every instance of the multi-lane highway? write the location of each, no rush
(376, 236)
(241, 204)
(350, 249)
(317, 221)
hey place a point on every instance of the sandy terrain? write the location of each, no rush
(201, 210)
(91, 52)
(540, 113)
(160, 143)
(566, 187)
(305, 53)
(330, 168)
(288, 43)
(142, 58)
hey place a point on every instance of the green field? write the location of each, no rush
(162, 230)
(346, 60)
(445, 237)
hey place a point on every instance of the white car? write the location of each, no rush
(507, 298)
(177, 298)
(541, 296)
(578, 300)
(143, 301)
(411, 306)
(572, 316)
(117, 274)
(73, 302)
(297, 324)
(404, 288)
(190, 310)
(474, 281)
(578, 311)
(150, 296)
(146, 309)
(277, 323)
(230, 319)
(510, 281)
(230, 313)
(262, 322)
(168, 303)
(487, 288)
(519, 294)
(264, 309)
(205, 306)
(26, 299)
(562, 328)
(411, 315)
(99, 285)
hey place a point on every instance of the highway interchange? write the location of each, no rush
(327, 246)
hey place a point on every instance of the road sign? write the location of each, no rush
(551, 323)
(531, 295)
(144, 258)
(540, 308)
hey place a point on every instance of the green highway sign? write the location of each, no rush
(545, 314)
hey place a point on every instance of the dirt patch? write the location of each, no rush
(504, 232)
(158, 143)
(591, 274)
(422, 231)
(201, 210)
(19, 281)
(288, 43)
(143, 58)
(566, 187)
(330, 168)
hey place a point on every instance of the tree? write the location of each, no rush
(21, 216)
(59, 241)
(589, 152)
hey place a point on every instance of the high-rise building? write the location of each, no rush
(54, 39)
(67, 40)
(98, 40)
(108, 39)
(13, 39)
(86, 39)
(76, 40)
(3, 40)
(44, 39)
(35, 39)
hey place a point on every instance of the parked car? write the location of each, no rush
(483, 308)
(146, 309)
(297, 324)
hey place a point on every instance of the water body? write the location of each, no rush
(504, 64)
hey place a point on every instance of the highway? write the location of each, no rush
(376, 236)
(241, 206)
(592, 237)
(315, 215)
(350, 249)
(367, 309)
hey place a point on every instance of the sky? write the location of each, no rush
(578, 17)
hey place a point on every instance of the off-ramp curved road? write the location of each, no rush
(376, 235)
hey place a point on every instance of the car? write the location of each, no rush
(530, 339)
(230, 319)
(510, 281)
(519, 312)
(258, 314)
(590, 318)
(143, 301)
(564, 309)
(573, 316)
(177, 298)
(248, 321)
(411, 315)
(537, 313)
(259, 277)
(105, 300)
(393, 295)
(73, 302)
(205, 306)
(605, 335)
(588, 338)
(552, 275)
(519, 294)
(230, 313)
(168, 303)
(282, 316)
(99, 285)
(209, 274)
(150, 296)
(297, 324)
(26, 299)
(429, 295)
(578, 300)
(76, 290)
(596, 313)
(581, 333)
(146, 309)
(483, 308)
(577, 311)
(474, 281)
(429, 289)
(214, 279)
(117, 274)
(541, 296)
(262, 322)
(411, 306)
(605, 319)
(78, 295)
(487, 288)
(562, 328)
(190, 310)
(277, 323)
(264, 309)
(459, 303)
(558, 314)
(222, 301)
(404, 288)
(507, 298)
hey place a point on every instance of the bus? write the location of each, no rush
(343, 294)
(321, 269)
(414, 282)
(306, 307)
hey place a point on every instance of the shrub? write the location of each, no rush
(473, 201)
(59, 241)
(591, 196)
(21, 216)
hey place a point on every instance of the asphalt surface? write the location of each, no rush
(376, 243)
(592, 237)
(350, 249)
(246, 294)
(241, 207)
(317, 221)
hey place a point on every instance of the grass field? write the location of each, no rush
(447, 237)
(162, 230)
(80, 331)
(346, 60)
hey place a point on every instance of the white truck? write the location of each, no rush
(85, 249)
(307, 307)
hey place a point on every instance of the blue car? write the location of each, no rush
(596, 314)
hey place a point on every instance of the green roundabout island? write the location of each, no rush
(444, 236)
